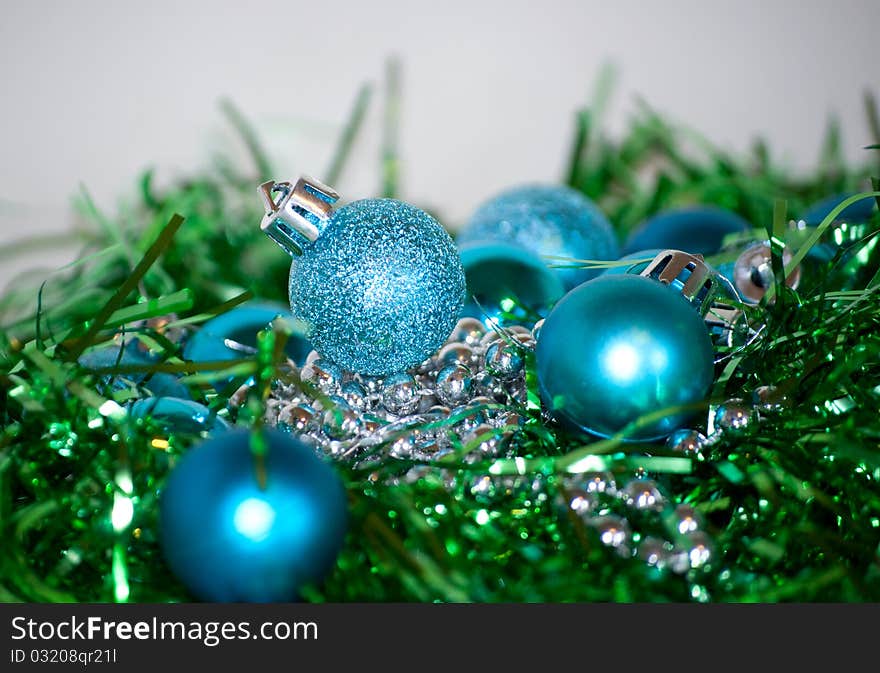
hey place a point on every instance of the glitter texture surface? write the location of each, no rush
(381, 288)
(547, 220)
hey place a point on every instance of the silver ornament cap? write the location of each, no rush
(689, 274)
(296, 213)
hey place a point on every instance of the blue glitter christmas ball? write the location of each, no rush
(546, 220)
(227, 539)
(699, 230)
(233, 334)
(506, 282)
(618, 348)
(380, 289)
(860, 211)
(635, 268)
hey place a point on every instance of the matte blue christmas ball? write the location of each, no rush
(160, 384)
(619, 347)
(546, 220)
(635, 268)
(505, 280)
(176, 414)
(380, 289)
(698, 230)
(860, 211)
(229, 540)
(233, 335)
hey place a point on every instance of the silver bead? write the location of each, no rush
(483, 485)
(456, 353)
(489, 338)
(301, 418)
(734, 415)
(341, 422)
(699, 549)
(503, 361)
(613, 531)
(486, 385)
(454, 384)
(427, 401)
(643, 494)
(323, 374)
(507, 419)
(402, 447)
(685, 519)
(753, 272)
(655, 552)
(486, 441)
(354, 393)
(686, 441)
(400, 394)
(768, 398)
(468, 331)
(594, 482)
(580, 501)
(372, 384)
(370, 423)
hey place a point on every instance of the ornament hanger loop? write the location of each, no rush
(296, 213)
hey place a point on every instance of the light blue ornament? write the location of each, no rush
(698, 230)
(378, 283)
(618, 348)
(161, 384)
(506, 283)
(233, 335)
(229, 538)
(547, 220)
(644, 258)
(178, 415)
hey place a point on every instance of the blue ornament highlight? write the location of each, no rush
(505, 280)
(618, 348)
(380, 289)
(178, 415)
(233, 335)
(636, 267)
(546, 220)
(698, 230)
(229, 540)
(858, 212)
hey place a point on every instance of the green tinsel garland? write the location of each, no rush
(792, 502)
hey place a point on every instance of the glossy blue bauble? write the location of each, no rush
(380, 289)
(551, 220)
(176, 414)
(635, 268)
(618, 348)
(233, 335)
(228, 540)
(698, 230)
(161, 384)
(860, 211)
(505, 280)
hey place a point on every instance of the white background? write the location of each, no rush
(94, 92)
